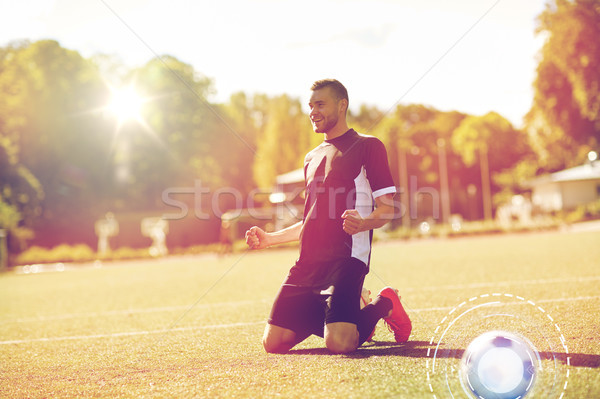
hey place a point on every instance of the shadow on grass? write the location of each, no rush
(584, 360)
(375, 348)
(575, 359)
(419, 349)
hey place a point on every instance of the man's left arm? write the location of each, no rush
(384, 212)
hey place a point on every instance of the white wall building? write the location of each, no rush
(567, 188)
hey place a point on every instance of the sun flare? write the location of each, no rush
(126, 104)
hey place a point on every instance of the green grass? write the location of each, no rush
(192, 326)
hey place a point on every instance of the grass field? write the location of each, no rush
(192, 326)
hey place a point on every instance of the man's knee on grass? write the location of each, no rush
(339, 346)
(341, 337)
(273, 346)
(278, 340)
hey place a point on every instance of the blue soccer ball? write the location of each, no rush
(499, 365)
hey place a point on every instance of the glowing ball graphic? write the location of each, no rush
(499, 364)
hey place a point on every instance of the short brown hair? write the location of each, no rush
(338, 89)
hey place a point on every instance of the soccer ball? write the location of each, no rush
(499, 364)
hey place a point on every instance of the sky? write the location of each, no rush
(472, 56)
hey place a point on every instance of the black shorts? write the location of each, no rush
(318, 294)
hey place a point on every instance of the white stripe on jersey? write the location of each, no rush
(383, 191)
(361, 242)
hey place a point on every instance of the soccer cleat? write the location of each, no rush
(365, 299)
(398, 322)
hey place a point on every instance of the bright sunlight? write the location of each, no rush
(126, 104)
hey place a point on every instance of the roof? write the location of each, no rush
(588, 171)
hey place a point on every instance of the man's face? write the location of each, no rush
(324, 110)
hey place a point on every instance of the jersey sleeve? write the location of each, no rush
(378, 169)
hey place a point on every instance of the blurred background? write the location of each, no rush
(142, 128)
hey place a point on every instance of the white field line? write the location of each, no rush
(128, 333)
(448, 308)
(232, 325)
(516, 282)
(127, 312)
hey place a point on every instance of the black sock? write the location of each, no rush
(370, 315)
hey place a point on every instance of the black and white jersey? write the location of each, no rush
(347, 172)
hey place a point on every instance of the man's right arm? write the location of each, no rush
(257, 238)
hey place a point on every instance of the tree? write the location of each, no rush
(366, 119)
(239, 144)
(284, 139)
(52, 142)
(20, 198)
(183, 137)
(170, 145)
(565, 114)
(415, 136)
(495, 143)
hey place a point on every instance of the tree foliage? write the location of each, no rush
(493, 134)
(48, 132)
(170, 145)
(284, 138)
(566, 111)
(62, 154)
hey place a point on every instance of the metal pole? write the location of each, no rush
(485, 183)
(3, 250)
(445, 194)
(404, 195)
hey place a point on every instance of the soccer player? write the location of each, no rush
(345, 177)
